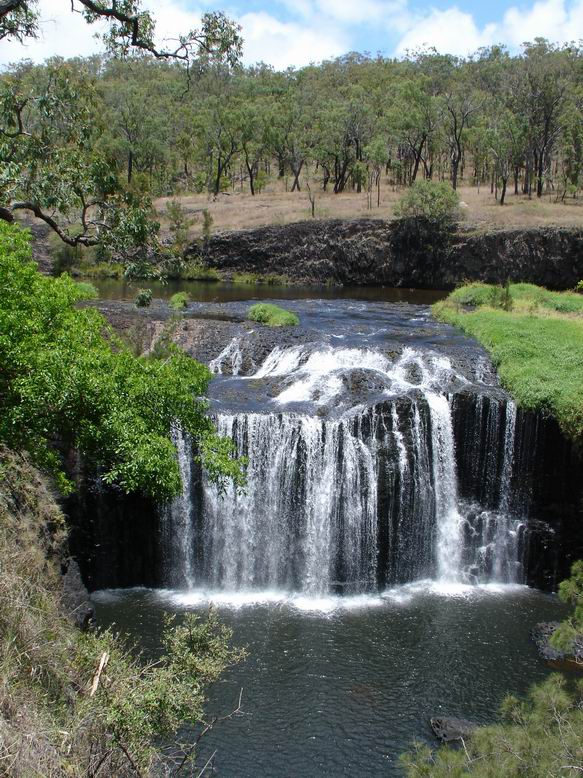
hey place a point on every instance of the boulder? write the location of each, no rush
(448, 729)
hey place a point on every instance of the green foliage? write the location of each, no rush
(538, 738)
(87, 290)
(143, 298)
(537, 346)
(571, 592)
(52, 724)
(272, 315)
(197, 271)
(430, 201)
(179, 225)
(579, 287)
(259, 278)
(179, 301)
(66, 377)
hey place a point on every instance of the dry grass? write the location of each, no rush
(238, 210)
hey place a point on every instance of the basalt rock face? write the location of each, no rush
(376, 252)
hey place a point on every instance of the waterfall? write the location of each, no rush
(229, 360)
(362, 498)
(178, 526)
(308, 514)
(448, 519)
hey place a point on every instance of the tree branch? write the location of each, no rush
(79, 240)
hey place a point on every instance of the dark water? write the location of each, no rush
(344, 690)
(112, 289)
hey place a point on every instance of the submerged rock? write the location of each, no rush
(449, 729)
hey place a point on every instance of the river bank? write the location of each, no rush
(379, 253)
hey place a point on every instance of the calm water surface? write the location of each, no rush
(341, 687)
(112, 289)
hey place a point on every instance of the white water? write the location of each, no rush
(347, 503)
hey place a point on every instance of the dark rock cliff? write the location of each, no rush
(375, 252)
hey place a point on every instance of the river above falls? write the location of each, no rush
(373, 565)
(342, 686)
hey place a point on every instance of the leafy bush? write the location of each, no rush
(197, 271)
(430, 201)
(179, 301)
(143, 298)
(272, 315)
(179, 223)
(65, 376)
(579, 287)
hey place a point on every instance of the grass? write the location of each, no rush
(272, 315)
(238, 210)
(195, 271)
(55, 719)
(258, 278)
(536, 345)
(87, 288)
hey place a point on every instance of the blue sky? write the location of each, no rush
(295, 32)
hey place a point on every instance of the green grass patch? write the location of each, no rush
(87, 289)
(272, 315)
(537, 345)
(196, 271)
(179, 301)
(258, 278)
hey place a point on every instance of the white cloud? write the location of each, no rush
(282, 44)
(451, 31)
(61, 32)
(454, 31)
(320, 29)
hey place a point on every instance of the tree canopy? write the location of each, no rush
(67, 381)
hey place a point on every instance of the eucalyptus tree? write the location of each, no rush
(546, 69)
(50, 163)
(415, 116)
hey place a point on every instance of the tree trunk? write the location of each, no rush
(503, 193)
(296, 183)
(130, 166)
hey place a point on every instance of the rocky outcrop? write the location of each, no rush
(75, 598)
(376, 252)
(449, 730)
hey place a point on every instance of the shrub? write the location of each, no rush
(179, 301)
(538, 737)
(571, 592)
(65, 376)
(430, 201)
(579, 287)
(197, 271)
(207, 224)
(52, 725)
(272, 315)
(143, 298)
(179, 225)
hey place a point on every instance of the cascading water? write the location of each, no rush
(352, 482)
(178, 524)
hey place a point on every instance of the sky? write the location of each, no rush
(285, 33)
